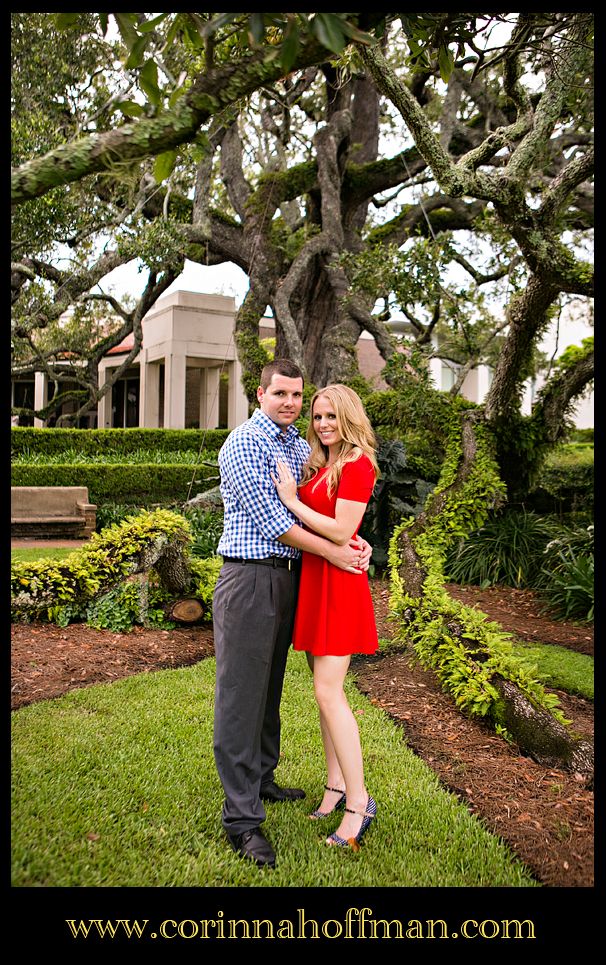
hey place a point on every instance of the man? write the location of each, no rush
(254, 604)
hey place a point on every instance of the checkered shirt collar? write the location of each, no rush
(272, 429)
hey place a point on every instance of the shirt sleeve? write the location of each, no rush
(245, 468)
(357, 480)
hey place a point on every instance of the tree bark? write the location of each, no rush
(538, 734)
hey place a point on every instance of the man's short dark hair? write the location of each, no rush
(279, 367)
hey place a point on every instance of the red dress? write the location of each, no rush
(335, 614)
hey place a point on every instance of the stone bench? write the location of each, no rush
(49, 512)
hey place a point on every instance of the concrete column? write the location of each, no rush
(174, 391)
(435, 372)
(237, 403)
(209, 398)
(149, 393)
(40, 396)
(104, 405)
(484, 380)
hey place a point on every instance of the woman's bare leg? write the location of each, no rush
(343, 737)
(334, 775)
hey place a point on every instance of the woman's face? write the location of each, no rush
(325, 422)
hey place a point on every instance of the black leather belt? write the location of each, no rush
(287, 562)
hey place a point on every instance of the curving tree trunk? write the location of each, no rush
(468, 654)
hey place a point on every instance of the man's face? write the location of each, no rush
(281, 401)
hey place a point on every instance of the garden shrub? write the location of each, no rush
(111, 512)
(129, 603)
(123, 441)
(96, 582)
(206, 528)
(205, 573)
(464, 649)
(145, 483)
(581, 435)
(70, 584)
(566, 579)
(144, 601)
(74, 457)
(398, 492)
(566, 482)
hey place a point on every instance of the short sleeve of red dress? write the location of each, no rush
(357, 481)
(335, 614)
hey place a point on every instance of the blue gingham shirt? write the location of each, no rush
(254, 516)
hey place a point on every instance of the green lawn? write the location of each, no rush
(115, 786)
(559, 667)
(30, 554)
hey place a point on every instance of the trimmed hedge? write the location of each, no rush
(143, 483)
(566, 482)
(120, 441)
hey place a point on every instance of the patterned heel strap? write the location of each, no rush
(324, 814)
(363, 814)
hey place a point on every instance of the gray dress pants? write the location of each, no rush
(253, 616)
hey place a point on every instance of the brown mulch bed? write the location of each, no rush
(545, 815)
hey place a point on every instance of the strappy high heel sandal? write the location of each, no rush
(340, 803)
(369, 815)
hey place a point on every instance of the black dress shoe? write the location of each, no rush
(254, 845)
(273, 792)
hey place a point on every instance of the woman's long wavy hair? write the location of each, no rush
(354, 426)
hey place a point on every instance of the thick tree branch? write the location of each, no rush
(329, 241)
(557, 195)
(481, 279)
(318, 245)
(374, 326)
(426, 141)
(527, 316)
(71, 287)
(559, 394)
(549, 108)
(209, 94)
(238, 188)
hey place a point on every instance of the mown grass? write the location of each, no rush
(115, 786)
(559, 667)
(29, 554)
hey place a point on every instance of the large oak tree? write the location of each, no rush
(287, 176)
(342, 161)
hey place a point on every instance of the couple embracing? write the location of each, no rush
(293, 571)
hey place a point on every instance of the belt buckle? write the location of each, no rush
(289, 563)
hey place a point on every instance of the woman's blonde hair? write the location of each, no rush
(354, 426)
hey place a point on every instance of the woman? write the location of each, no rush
(335, 615)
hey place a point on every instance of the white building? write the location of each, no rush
(187, 374)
